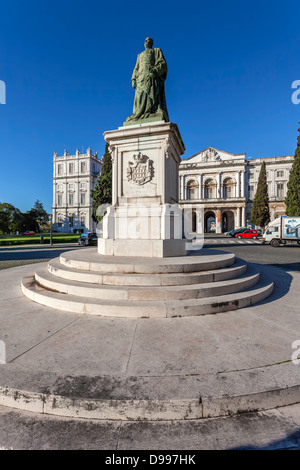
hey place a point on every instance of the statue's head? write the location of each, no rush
(148, 43)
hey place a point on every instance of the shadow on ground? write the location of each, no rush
(43, 253)
(290, 442)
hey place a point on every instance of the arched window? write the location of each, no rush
(210, 189)
(60, 220)
(192, 190)
(228, 188)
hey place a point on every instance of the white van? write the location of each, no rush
(282, 230)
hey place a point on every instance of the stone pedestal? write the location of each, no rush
(144, 219)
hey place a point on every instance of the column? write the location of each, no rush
(237, 188)
(272, 185)
(218, 221)
(200, 187)
(180, 186)
(243, 184)
(238, 217)
(243, 221)
(219, 195)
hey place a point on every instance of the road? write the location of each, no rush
(253, 251)
(286, 257)
(12, 256)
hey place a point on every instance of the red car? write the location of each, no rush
(247, 234)
(28, 232)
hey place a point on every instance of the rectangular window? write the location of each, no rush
(251, 176)
(82, 221)
(71, 168)
(59, 187)
(71, 221)
(280, 190)
(71, 199)
(82, 167)
(59, 200)
(59, 169)
(280, 174)
(251, 191)
(82, 185)
(71, 186)
(82, 198)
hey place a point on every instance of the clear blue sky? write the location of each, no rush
(67, 66)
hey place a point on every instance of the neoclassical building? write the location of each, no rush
(74, 176)
(224, 185)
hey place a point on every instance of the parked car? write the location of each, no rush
(86, 239)
(233, 233)
(28, 232)
(247, 233)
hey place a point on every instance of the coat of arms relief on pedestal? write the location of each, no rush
(140, 170)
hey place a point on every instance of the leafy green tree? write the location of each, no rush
(9, 218)
(292, 199)
(38, 215)
(102, 194)
(260, 214)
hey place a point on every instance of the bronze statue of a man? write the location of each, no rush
(148, 79)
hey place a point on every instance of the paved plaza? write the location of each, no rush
(150, 383)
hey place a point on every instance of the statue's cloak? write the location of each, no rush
(150, 100)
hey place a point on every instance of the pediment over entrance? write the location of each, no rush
(211, 155)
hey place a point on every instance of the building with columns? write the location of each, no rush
(224, 185)
(74, 176)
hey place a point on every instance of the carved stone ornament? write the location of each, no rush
(140, 170)
(111, 149)
(167, 147)
(210, 155)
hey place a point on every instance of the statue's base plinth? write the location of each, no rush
(145, 248)
(144, 218)
(158, 117)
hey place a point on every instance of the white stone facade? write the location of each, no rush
(74, 176)
(225, 185)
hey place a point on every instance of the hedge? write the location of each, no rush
(36, 240)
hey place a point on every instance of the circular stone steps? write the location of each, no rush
(131, 279)
(89, 259)
(95, 291)
(141, 309)
(86, 282)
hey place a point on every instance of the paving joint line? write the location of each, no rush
(129, 355)
(45, 339)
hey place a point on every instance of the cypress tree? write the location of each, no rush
(102, 194)
(260, 214)
(292, 199)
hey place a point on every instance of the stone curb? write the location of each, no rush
(187, 402)
(152, 410)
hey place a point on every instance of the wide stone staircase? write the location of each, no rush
(204, 282)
